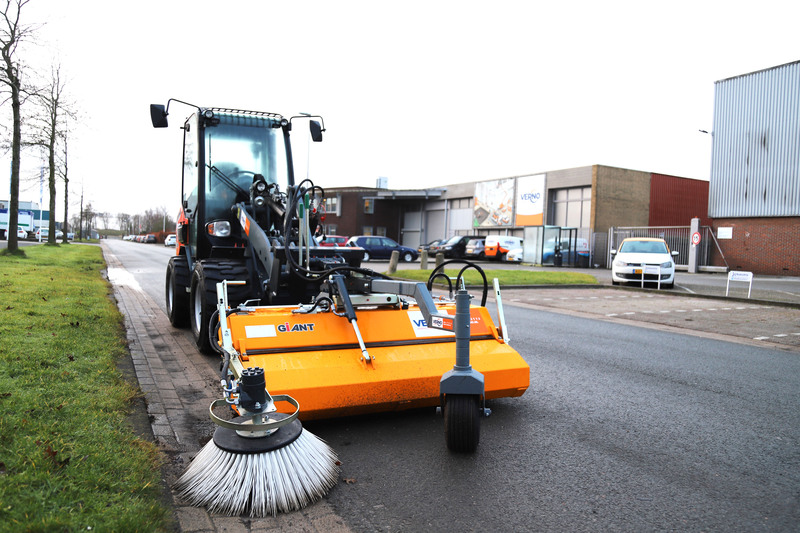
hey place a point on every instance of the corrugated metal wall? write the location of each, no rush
(675, 201)
(755, 166)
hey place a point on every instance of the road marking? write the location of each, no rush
(778, 335)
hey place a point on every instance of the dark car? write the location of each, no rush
(454, 247)
(376, 247)
(474, 248)
(427, 247)
(150, 238)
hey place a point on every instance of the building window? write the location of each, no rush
(571, 208)
(380, 230)
(330, 229)
(369, 206)
(367, 230)
(332, 205)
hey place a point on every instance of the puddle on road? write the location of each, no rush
(121, 277)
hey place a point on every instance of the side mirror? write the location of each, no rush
(676, 253)
(158, 116)
(316, 131)
(613, 252)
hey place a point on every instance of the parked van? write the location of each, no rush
(497, 246)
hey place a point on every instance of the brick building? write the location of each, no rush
(588, 200)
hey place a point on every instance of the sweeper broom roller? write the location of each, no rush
(262, 462)
(284, 472)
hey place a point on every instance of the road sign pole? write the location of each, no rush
(694, 257)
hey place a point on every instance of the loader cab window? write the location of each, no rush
(236, 149)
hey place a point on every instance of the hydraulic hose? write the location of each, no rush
(469, 264)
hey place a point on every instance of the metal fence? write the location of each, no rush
(678, 239)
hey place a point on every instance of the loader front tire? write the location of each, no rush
(203, 296)
(177, 291)
(462, 422)
(200, 310)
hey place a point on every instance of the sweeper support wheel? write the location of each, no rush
(462, 389)
(462, 422)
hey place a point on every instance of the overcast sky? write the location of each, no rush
(424, 93)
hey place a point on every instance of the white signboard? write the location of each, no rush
(740, 275)
(530, 200)
(725, 232)
(735, 275)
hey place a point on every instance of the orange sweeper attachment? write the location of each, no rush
(370, 344)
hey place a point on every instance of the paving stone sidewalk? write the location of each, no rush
(176, 381)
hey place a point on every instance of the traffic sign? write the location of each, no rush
(695, 238)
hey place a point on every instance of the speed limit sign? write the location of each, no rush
(695, 238)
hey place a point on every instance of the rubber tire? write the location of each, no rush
(614, 282)
(177, 291)
(668, 285)
(408, 257)
(462, 422)
(203, 295)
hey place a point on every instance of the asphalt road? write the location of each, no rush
(624, 428)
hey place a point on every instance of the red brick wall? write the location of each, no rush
(676, 201)
(760, 245)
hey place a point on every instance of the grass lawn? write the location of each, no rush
(506, 277)
(69, 461)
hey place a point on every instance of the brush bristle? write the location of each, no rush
(260, 484)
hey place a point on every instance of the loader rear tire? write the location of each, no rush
(177, 291)
(203, 296)
(462, 423)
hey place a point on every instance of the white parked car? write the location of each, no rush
(643, 258)
(171, 240)
(514, 256)
(21, 233)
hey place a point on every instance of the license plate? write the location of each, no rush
(637, 271)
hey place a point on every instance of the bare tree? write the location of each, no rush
(12, 33)
(49, 126)
(125, 222)
(65, 177)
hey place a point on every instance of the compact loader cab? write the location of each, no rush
(243, 218)
(223, 151)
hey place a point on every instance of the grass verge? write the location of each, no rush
(507, 277)
(68, 459)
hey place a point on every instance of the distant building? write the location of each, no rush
(589, 200)
(40, 217)
(754, 192)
